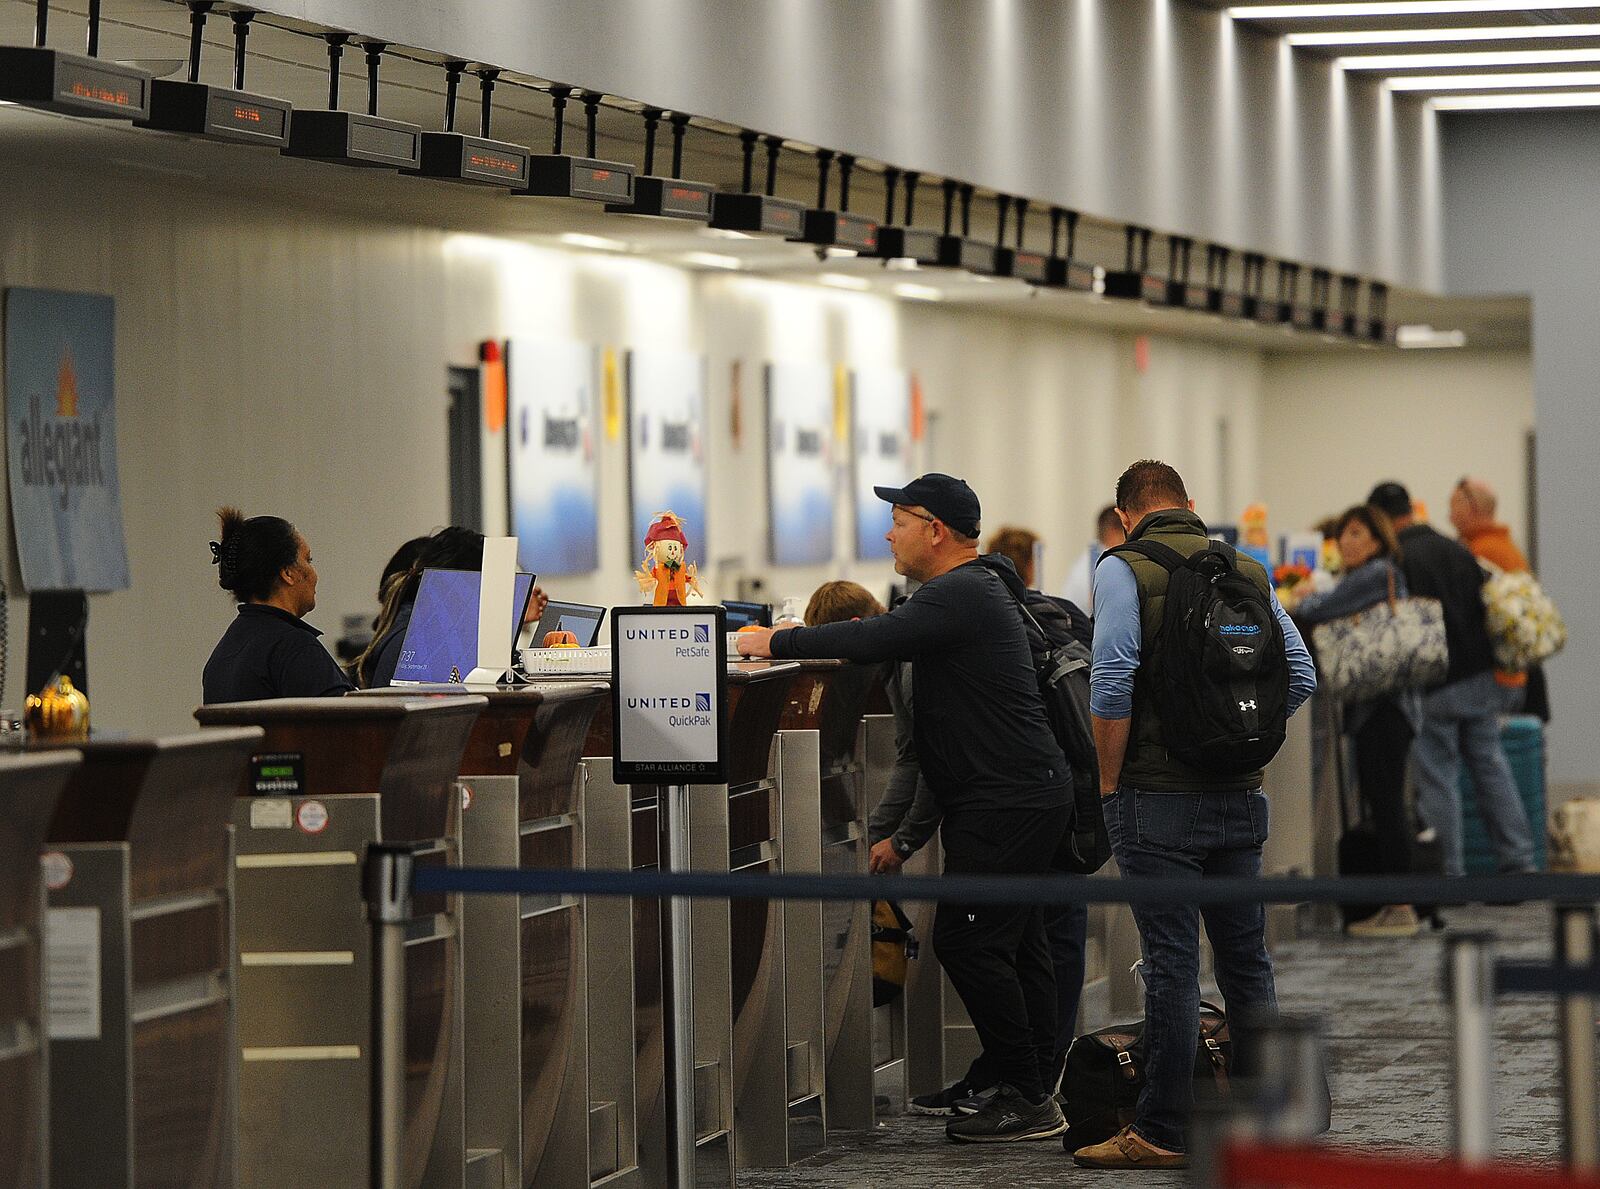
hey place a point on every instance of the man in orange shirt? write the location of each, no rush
(1472, 508)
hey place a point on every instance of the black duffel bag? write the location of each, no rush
(1105, 1073)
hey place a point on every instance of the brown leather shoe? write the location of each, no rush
(1127, 1150)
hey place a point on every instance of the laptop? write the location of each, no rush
(582, 620)
(747, 614)
(441, 643)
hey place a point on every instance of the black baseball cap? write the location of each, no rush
(948, 498)
(1390, 498)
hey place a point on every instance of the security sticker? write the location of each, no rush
(312, 817)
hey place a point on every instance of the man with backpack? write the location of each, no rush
(1196, 671)
(988, 752)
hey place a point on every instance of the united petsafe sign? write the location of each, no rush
(61, 440)
(669, 684)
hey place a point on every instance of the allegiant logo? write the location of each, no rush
(61, 450)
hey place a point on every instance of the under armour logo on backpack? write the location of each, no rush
(1250, 705)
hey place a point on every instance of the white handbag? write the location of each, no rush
(1392, 646)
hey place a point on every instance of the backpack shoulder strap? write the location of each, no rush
(1017, 598)
(1163, 555)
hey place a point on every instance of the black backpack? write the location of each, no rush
(1218, 670)
(1061, 664)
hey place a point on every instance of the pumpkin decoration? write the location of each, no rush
(59, 711)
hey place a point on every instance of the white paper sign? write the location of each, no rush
(669, 676)
(72, 973)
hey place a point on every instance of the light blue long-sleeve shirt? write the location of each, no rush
(1119, 637)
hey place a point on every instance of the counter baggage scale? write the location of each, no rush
(541, 1109)
(142, 1008)
(825, 830)
(29, 786)
(332, 775)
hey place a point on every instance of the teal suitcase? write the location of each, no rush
(1522, 737)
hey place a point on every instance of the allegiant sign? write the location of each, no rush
(61, 440)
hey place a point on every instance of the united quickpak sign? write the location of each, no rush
(669, 685)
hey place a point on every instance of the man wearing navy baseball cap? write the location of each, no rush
(986, 750)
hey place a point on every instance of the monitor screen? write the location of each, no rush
(745, 614)
(441, 643)
(582, 620)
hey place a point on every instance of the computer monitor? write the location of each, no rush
(745, 614)
(441, 643)
(582, 620)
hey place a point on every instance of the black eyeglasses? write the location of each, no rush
(918, 515)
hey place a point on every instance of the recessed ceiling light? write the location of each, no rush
(710, 260)
(1467, 58)
(839, 280)
(918, 292)
(840, 253)
(1392, 8)
(1517, 81)
(1426, 338)
(599, 243)
(725, 233)
(1431, 36)
(1550, 99)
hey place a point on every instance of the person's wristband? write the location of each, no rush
(901, 849)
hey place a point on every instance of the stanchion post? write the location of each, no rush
(1469, 981)
(1580, 1113)
(678, 929)
(386, 886)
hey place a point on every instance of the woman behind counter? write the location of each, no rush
(269, 651)
(1382, 728)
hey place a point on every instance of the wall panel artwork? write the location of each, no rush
(667, 443)
(554, 476)
(881, 451)
(800, 462)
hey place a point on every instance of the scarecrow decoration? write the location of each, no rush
(665, 575)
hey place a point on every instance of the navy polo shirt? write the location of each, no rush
(268, 653)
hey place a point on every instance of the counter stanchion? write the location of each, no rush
(1580, 1115)
(680, 1023)
(1469, 974)
(386, 884)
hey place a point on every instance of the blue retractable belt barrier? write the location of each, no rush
(1012, 889)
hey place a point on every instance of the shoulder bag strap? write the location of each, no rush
(1164, 556)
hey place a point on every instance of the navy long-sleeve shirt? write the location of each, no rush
(268, 653)
(981, 733)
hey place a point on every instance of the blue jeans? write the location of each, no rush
(1181, 835)
(1461, 721)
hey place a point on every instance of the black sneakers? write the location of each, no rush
(944, 1102)
(1007, 1118)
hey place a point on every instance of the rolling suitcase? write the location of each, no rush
(1522, 737)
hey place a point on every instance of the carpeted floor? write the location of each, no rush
(1387, 1030)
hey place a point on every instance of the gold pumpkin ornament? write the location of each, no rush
(59, 711)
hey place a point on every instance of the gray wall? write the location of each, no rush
(1150, 111)
(1521, 216)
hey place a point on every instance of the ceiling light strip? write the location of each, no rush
(1432, 36)
(1393, 8)
(1496, 82)
(1467, 59)
(1515, 102)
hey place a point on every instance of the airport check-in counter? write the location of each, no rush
(332, 775)
(140, 987)
(827, 945)
(536, 1103)
(737, 947)
(29, 786)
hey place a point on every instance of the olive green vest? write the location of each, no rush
(1147, 765)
